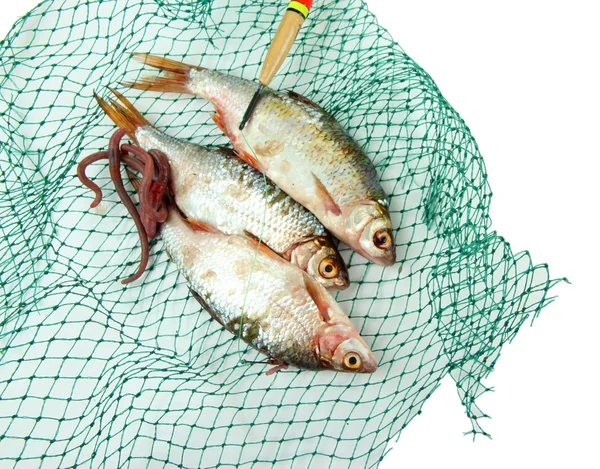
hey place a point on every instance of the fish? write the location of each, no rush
(212, 185)
(270, 303)
(299, 146)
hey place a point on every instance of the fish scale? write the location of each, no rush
(233, 197)
(213, 186)
(280, 318)
(299, 146)
(306, 129)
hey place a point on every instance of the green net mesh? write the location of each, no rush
(93, 373)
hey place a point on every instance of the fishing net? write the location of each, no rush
(94, 373)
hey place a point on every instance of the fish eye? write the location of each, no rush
(328, 268)
(352, 361)
(383, 239)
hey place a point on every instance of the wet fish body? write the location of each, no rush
(212, 185)
(268, 297)
(300, 147)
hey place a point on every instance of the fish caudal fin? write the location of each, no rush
(133, 179)
(176, 75)
(123, 113)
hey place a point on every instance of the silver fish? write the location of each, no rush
(212, 185)
(300, 147)
(283, 312)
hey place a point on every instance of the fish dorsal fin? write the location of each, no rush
(326, 197)
(206, 307)
(199, 225)
(303, 99)
(262, 247)
(319, 295)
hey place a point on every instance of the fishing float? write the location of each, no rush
(292, 21)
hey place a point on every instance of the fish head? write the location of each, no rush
(341, 348)
(370, 226)
(320, 258)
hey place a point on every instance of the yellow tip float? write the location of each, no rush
(294, 17)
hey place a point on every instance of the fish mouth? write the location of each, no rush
(388, 258)
(369, 366)
(341, 282)
(385, 258)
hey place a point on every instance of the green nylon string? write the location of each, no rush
(97, 374)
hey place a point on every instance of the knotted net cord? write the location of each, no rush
(94, 373)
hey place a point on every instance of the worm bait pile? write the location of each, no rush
(154, 167)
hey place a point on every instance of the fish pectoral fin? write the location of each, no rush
(262, 247)
(278, 366)
(218, 120)
(249, 159)
(242, 155)
(319, 295)
(199, 225)
(303, 99)
(326, 197)
(206, 307)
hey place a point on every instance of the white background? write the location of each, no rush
(525, 77)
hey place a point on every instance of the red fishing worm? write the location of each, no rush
(159, 185)
(146, 182)
(155, 169)
(87, 182)
(114, 166)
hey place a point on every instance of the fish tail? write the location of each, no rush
(133, 179)
(123, 113)
(177, 75)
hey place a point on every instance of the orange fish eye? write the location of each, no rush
(328, 268)
(352, 361)
(383, 239)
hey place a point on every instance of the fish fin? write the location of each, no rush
(176, 75)
(199, 225)
(251, 236)
(167, 65)
(242, 155)
(169, 84)
(262, 247)
(248, 159)
(133, 179)
(170, 257)
(278, 366)
(125, 115)
(216, 117)
(319, 295)
(209, 309)
(325, 196)
(303, 99)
